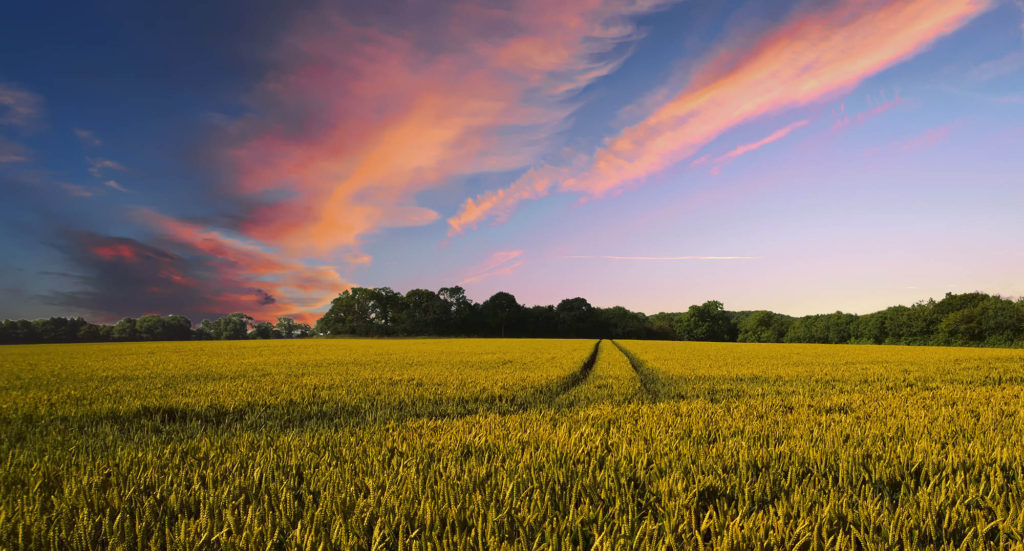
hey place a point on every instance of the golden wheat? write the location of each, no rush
(509, 444)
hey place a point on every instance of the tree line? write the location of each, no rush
(148, 328)
(969, 319)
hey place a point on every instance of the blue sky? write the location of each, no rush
(256, 157)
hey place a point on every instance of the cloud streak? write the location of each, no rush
(74, 190)
(754, 146)
(97, 166)
(498, 264)
(11, 152)
(358, 119)
(663, 258)
(813, 56)
(87, 137)
(112, 184)
(19, 107)
(235, 267)
(844, 120)
(359, 111)
(924, 140)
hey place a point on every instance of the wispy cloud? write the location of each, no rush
(663, 258)
(234, 268)
(97, 166)
(77, 191)
(358, 119)
(753, 146)
(119, 276)
(814, 56)
(844, 119)
(87, 137)
(924, 140)
(19, 107)
(11, 152)
(112, 184)
(498, 264)
(1020, 6)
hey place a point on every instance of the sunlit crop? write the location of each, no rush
(509, 444)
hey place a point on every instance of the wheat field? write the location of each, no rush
(510, 444)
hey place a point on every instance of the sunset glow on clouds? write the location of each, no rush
(811, 57)
(359, 119)
(316, 148)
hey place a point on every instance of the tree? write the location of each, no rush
(231, 327)
(459, 310)
(539, 321)
(707, 322)
(167, 328)
(303, 330)
(264, 330)
(576, 318)
(501, 310)
(178, 328)
(288, 327)
(763, 326)
(56, 329)
(663, 325)
(350, 314)
(235, 326)
(989, 321)
(89, 333)
(386, 305)
(422, 313)
(124, 330)
(619, 323)
(18, 332)
(149, 328)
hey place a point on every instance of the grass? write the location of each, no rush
(509, 444)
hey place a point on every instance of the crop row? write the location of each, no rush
(466, 444)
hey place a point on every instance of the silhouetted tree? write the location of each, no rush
(663, 325)
(501, 310)
(287, 327)
(576, 318)
(124, 330)
(539, 321)
(707, 322)
(619, 323)
(264, 330)
(968, 319)
(231, 327)
(762, 326)
(422, 313)
(166, 328)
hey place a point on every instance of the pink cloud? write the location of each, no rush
(361, 112)
(812, 57)
(112, 184)
(11, 152)
(87, 137)
(753, 146)
(665, 258)
(116, 250)
(97, 166)
(19, 107)
(288, 287)
(924, 140)
(356, 120)
(77, 191)
(844, 120)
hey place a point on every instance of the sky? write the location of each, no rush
(261, 157)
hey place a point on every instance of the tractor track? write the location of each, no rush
(649, 380)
